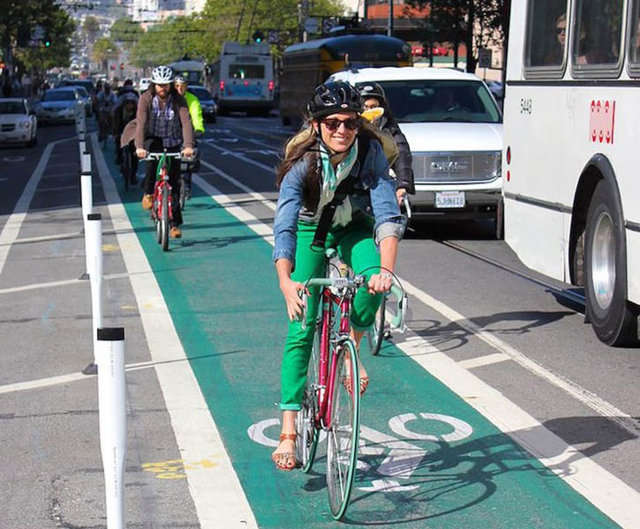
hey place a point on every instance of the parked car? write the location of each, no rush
(209, 107)
(144, 83)
(59, 105)
(86, 99)
(454, 130)
(18, 123)
(88, 87)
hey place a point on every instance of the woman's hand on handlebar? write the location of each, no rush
(187, 152)
(291, 292)
(380, 283)
(141, 153)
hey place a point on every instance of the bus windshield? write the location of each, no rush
(432, 101)
(246, 71)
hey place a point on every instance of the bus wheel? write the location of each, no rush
(608, 310)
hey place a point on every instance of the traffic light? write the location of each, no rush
(47, 42)
(258, 36)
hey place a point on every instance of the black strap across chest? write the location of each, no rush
(344, 189)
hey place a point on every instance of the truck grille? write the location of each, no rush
(456, 167)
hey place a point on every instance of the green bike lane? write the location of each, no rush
(428, 459)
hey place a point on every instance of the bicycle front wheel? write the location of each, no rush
(342, 436)
(164, 219)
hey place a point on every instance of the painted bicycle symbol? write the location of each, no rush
(402, 457)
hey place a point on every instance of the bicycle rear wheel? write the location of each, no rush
(342, 437)
(164, 219)
(308, 434)
(375, 333)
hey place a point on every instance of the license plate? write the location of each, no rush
(449, 199)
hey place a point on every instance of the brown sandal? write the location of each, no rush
(283, 459)
(364, 384)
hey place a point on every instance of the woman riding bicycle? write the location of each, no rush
(373, 96)
(163, 122)
(339, 158)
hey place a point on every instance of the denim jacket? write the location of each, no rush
(374, 194)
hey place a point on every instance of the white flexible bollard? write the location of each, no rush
(112, 409)
(86, 193)
(93, 240)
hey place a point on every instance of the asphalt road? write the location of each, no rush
(498, 344)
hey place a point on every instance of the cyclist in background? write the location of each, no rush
(106, 101)
(373, 97)
(125, 112)
(365, 228)
(163, 122)
(195, 111)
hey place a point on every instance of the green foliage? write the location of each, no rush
(458, 21)
(91, 27)
(105, 49)
(126, 31)
(18, 21)
(202, 35)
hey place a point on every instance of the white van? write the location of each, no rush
(454, 129)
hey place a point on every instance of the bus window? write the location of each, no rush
(634, 44)
(246, 71)
(597, 34)
(547, 33)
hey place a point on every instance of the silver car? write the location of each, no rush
(59, 105)
(18, 123)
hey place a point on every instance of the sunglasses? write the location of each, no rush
(559, 31)
(334, 123)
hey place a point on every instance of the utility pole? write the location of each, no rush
(303, 12)
(390, 23)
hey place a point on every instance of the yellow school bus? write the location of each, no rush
(306, 65)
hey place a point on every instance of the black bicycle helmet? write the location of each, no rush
(368, 90)
(334, 97)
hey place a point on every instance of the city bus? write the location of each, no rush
(242, 79)
(194, 71)
(306, 65)
(570, 161)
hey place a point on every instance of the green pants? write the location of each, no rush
(355, 247)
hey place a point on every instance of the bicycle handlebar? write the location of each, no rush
(346, 282)
(158, 155)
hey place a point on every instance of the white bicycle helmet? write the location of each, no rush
(162, 75)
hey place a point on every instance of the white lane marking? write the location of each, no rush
(63, 379)
(605, 491)
(485, 360)
(576, 391)
(68, 235)
(256, 196)
(218, 497)
(54, 284)
(271, 169)
(608, 493)
(12, 227)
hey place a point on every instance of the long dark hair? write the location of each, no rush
(307, 149)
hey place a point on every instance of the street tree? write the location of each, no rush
(477, 23)
(19, 20)
(105, 50)
(126, 32)
(91, 27)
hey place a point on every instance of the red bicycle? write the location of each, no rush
(328, 404)
(162, 210)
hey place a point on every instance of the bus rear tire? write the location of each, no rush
(613, 318)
